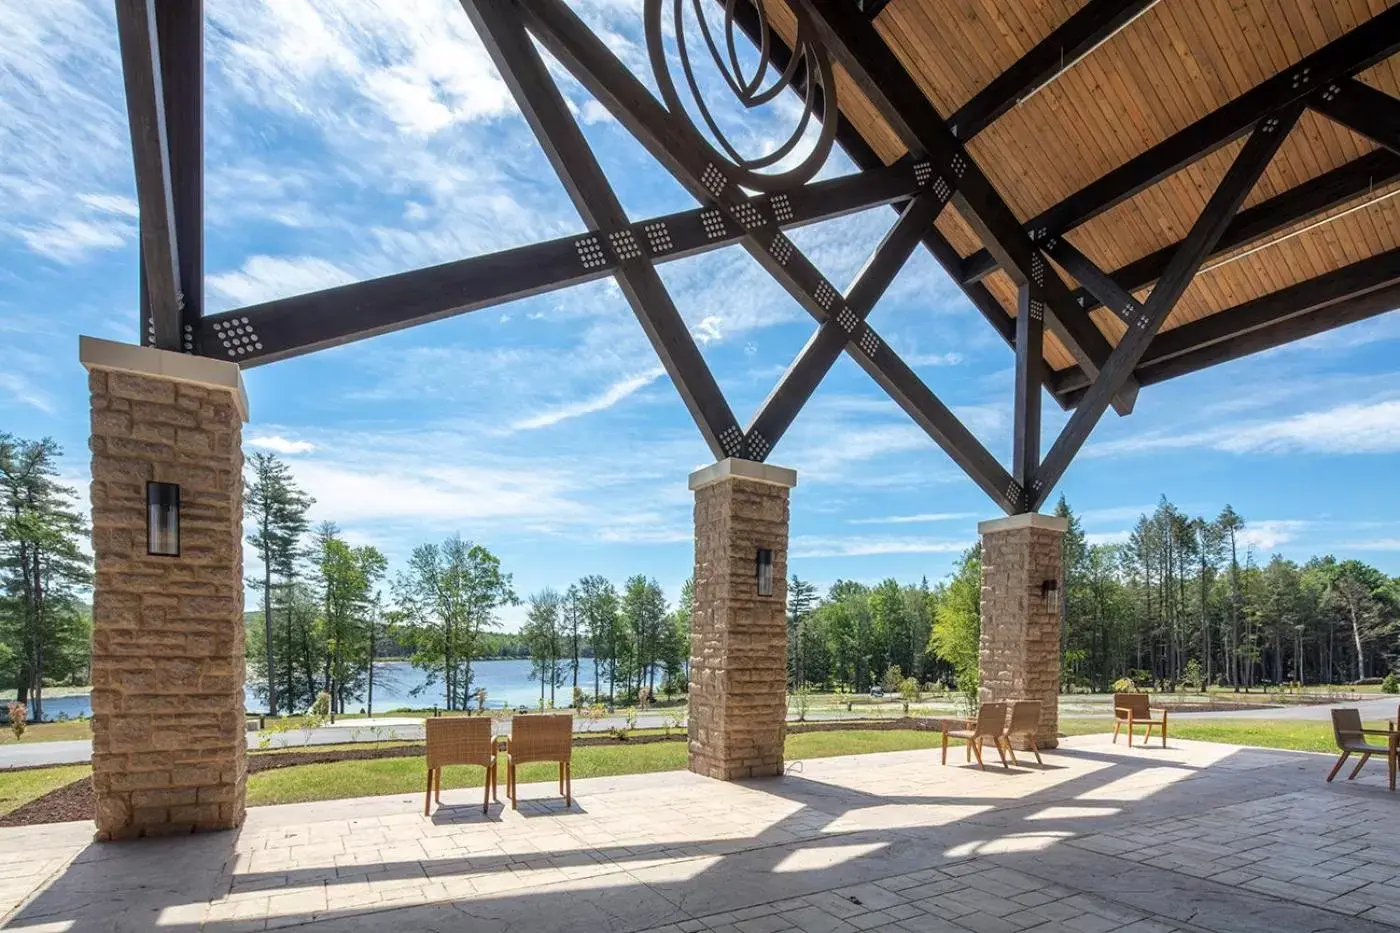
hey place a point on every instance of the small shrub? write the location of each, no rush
(801, 702)
(481, 699)
(673, 719)
(910, 690)
(578, 698)
(893, 678)
(1193, 676)
(1124, 685)
(19, 719)
(1390, 684)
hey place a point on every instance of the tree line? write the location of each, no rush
(331, 611)
(45, 626)
(1185, 600)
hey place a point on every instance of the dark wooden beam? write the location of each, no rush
(292, 326)
(180, 29)
(1239, 180)
(145, 106)
(860, 152)
(1030, 373)
(1373, 41)
(1364, 110)
(545, 109)
(560, 30)
(1329, 190)
(1234, 326)
(856, 44)
(1298, 327)
(778, 411)
(1090, 26)
(1095, 281)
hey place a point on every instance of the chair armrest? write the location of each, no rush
(1378, 731)
(1157, 709)
(1123, 710)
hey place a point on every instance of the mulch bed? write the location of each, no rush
(77, 801)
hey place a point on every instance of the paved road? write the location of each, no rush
(79, 752)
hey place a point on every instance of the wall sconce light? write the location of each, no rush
(163, 519)
(765, 571)
(1050, 592)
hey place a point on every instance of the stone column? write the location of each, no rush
(169, 749)
(1020, 647)
(738, 639)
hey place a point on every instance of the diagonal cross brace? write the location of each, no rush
(1241, 178)
(544, 108)
(856, 43)
(595, 66)
(847, 324)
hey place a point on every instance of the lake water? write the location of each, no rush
(507, 683)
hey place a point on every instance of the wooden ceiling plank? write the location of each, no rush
(907, 109)
(1251, 225)
(1373, 41)
(1095, 22)
(1258, 151)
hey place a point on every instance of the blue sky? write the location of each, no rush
(354, 138)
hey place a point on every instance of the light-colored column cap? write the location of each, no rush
(732, 467)
(1024, 520)
(96, 353)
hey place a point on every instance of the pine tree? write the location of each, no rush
(801, 598)
(276, 511)
(42, 565)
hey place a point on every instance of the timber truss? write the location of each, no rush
(161, 44)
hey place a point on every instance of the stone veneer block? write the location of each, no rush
(1020, 647)
(169, 750)
(738, 640)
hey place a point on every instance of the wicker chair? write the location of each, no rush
(989, 724)
(1351, 737)
(1131, 709)
(1025, 723)
(459, 741)
(541, 738)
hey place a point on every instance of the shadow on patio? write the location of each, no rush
(1209, 836)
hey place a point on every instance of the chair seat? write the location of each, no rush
(1139, 721)
(1364, 747)
(965, 734)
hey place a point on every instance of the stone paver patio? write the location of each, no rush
(1194, 837)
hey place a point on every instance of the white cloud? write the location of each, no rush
(1269, 534)
(280, 444)
(1376, 544)
(111, 204)
(806, 546)
(606, 399)
(1107, 537)
(264, 278)
(914, 519)
(25, 391)
(1117, 513)
(70, 240)
(933, 359)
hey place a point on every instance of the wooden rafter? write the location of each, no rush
(1374, 40)
(1241, 178)
(856, 44)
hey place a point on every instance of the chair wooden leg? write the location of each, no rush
(1391, 758)
(1130, 730)
(1338, 766)
(1164, 728)
(1365, 757)
(428, 795)
(976, 746)
(495, 781)
(510, 782)
(486, 795)
(437, 787)
(1117, 724)
(945, 747)
(967, 750)
(1035, 748)
(1010, 750)
(569, 784)
(561, 779)
(1001, 753)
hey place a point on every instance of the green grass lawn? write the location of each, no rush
(407, 775)
(1295, 735)
(49, 732)
(19, 787)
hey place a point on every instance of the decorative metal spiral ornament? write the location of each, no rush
(808, 70)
